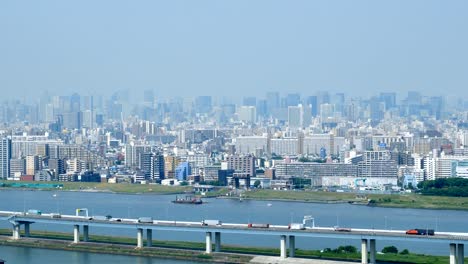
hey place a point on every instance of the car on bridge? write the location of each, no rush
(341, 229)
(419, 231)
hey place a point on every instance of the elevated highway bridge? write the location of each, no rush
(286, 233)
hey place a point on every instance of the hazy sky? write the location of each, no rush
(237, 48)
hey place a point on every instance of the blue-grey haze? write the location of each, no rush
(229, 48)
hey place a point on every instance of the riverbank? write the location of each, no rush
(189, 250)
(409, 200)
(101, 187)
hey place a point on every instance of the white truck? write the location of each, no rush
(297, 226)
(33, 212)
(145, 220)
(211, 223)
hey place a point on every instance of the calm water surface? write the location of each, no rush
(226, 210)
(20, 255)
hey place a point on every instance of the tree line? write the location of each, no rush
(457, 187)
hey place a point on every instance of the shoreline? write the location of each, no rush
(404, 201)
(341, 202)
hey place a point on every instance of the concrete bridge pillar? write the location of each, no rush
(76, 234)
(364, 251)
(86, 233)
(453, 252)
(16, 231)
(283, 246)
(149, 237)
(217, 241)
(292, 246)
(140, 238)
(461, 254)
(27, 232)
(372, 251)
(208, 243)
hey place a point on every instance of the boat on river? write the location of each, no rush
(189, 199)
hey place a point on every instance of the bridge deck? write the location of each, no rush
(236, 228)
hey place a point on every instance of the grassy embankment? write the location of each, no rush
(110, 187)
(184, 250)
(387, 200)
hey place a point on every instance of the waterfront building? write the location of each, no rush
(43, 175)
(32, 164)
(242, 163)
(377, 164)
(211, 173)
(170, 165)
(133, 154)
(5, 156)
(57, 166)
(312, 169)
(17, 167)
(182, 171)
(462, 169)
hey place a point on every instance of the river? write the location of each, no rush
(234, 211)
(23, 255)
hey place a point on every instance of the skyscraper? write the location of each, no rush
(389, 99)
(312, 101)
(5, 156)
(148, 98)
(272, 102)
(203, 104)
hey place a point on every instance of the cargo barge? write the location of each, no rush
(188, 200)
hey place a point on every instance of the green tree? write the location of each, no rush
(390, 249)
(404, 252)
(256, 183)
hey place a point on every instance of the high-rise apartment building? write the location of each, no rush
(17, 167)
(32, 164)
(5, 156)
(152, 164)
(244, 164)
